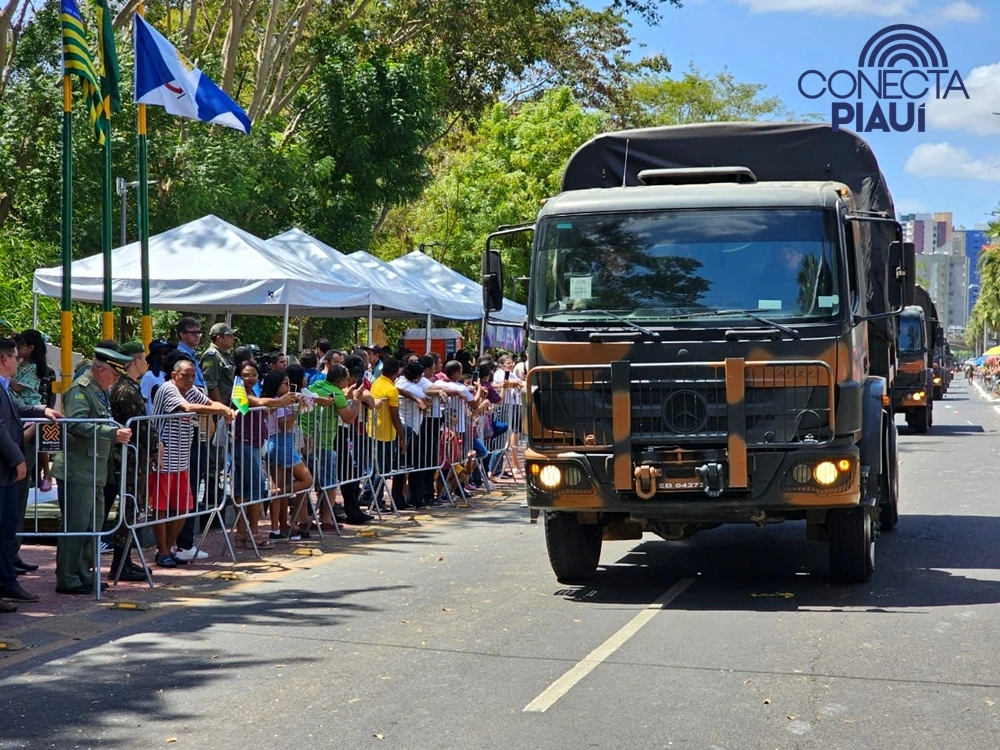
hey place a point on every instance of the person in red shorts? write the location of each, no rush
(169, 485)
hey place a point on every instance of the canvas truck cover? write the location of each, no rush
(773, 152)
(922, 298)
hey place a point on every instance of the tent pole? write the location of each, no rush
(301, 340)
(371, 325)
(429, 322)
(34, 311)
(229, 318)
(284, 333)
(482, 337)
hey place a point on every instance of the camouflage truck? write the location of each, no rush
(922, 375)
(711, 340)
(912, 390)
(939, 352)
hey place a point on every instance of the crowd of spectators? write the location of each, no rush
(278, 435)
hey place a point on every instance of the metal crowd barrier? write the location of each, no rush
(246, 464)
(51, 438)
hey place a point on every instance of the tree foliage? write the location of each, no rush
(986, 312)
(374, 124)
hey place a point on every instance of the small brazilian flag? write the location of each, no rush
(107, 57)
(240, 399)
(78, 62)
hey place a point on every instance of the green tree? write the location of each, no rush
(364, 124)
(657, 99)
(498, 175)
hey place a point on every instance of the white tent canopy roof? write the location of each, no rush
(442, 303)
(446, 281)
(387, 296)
(209, 265)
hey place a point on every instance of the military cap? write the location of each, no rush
(132, 348)
(118, 361)
(221, 329)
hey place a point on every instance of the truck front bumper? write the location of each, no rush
(802, 479)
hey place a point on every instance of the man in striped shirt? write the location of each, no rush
(170, 486)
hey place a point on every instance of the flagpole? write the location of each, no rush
(66, 318)
(108, 316)
(142, 214)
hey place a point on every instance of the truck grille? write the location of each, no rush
(681, 404)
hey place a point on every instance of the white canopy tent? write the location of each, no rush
(440, 279)
(447, 303)
(388, 295)
(209, 265)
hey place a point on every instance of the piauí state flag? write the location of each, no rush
(240, 400)
(165, 78)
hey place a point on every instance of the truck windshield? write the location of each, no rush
(911, 334)
(663, 265)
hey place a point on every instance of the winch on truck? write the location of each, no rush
(711, 339)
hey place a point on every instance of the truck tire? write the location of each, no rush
(851, 533)
(938, 393)
(574, 548)
(921, 421)
(889, 483)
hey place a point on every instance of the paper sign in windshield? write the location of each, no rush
(769, 304)
(581, 287)
(832, 301)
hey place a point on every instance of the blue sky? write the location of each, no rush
(953, 166)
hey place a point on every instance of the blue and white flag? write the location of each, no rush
(165, 78)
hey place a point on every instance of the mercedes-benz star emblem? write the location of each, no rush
(685, 412)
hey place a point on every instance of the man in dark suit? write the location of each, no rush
(13, 468)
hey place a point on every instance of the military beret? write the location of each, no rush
(132, 348)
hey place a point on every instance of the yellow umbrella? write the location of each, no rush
(993, 351)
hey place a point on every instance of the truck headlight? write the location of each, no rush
(825, 473)
(550, 477)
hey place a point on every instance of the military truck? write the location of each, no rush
(938, 350)
(711, 340)
(912, 391)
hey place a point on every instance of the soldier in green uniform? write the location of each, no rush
(82, 469)
(127, 402)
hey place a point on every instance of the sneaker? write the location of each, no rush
(106, 548)
(46, 485)
(188, 555)
(166, 561)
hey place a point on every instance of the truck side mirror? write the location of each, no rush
(492, 281)
(902, 273)
(939, 339)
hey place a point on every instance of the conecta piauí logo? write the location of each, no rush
(898, 68)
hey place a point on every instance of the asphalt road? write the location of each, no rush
(443, 637)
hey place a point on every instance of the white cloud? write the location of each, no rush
(975, 114)
(945, 160)
(831, 7)
(961, 11)
(911, 206)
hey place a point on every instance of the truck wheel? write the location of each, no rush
(921, 421)
(938, 393)
(574, 548)
(851, 533)
(889, 484)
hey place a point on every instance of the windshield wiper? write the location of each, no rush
(645, 331)
(749, 313)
